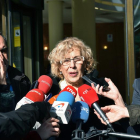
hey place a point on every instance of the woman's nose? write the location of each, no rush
(72, 63)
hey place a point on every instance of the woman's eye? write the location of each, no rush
(66, 60)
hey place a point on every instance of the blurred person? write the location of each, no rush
(16, 124)
(13, 84)
(136, 92)
(70, 60)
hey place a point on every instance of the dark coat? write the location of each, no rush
(20, 84)
(15, 125)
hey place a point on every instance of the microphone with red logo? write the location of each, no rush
(34, 95)
(88, 95)
(68, 88)
(61, 108)
(37, 94)
(44, 83)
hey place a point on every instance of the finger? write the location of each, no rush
(56, 129)
(55, 124)
(92, 85)
(54, 133)
(103, 121)
(97, 89)
(54, 119)
(97, 114)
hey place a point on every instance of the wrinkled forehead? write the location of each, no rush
(66, 51)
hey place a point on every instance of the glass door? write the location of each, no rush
(21, 46)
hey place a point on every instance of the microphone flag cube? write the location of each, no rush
(62, 111)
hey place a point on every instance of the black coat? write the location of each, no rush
(20, 84)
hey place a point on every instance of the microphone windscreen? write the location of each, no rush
(44, 83)
(66, 96)
(51, 100)
(70, 89)
(35, 95)
(80, 111)
(88, 94)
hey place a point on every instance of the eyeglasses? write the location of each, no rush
(77, 60)
(4, 50)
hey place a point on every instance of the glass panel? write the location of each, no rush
(16, 46)
(27, 46)
(137, 37)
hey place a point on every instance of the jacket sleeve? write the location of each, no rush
(134, 114)
(136, 92)
(16, 124)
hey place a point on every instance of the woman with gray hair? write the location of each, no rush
(70, 60)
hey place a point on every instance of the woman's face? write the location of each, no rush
(74, 71)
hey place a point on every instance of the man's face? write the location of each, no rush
(3, 50)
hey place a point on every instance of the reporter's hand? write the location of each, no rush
(113, 113)
(113, 93)
(49, 128)
(2, 71)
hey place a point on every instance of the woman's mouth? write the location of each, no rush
(73, 74)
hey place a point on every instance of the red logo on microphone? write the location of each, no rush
(60, 105)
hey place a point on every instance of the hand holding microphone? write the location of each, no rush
(88, 95)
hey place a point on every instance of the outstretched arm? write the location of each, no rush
(16, 124)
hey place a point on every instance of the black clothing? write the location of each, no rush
(134, 114)
(67, 129)
(20, 84)
(16, 124)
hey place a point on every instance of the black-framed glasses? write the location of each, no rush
(4, 50)
(77, 60)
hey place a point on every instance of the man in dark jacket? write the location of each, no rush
(13, 84)
(16, 124)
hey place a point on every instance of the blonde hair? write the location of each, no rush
(63, 47)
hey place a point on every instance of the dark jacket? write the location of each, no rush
(136, 92)
(16, 124)
(134, 114)
(20, 85)
(66, 130)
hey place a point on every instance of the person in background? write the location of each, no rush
(16, 125)
(136, 92)
(13, 84)
(70, 60)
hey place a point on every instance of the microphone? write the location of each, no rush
(68, 88)
(80, 115)
(51, 101)
(61, 108)
(88, 95)
(34, 95)
(44, 83)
